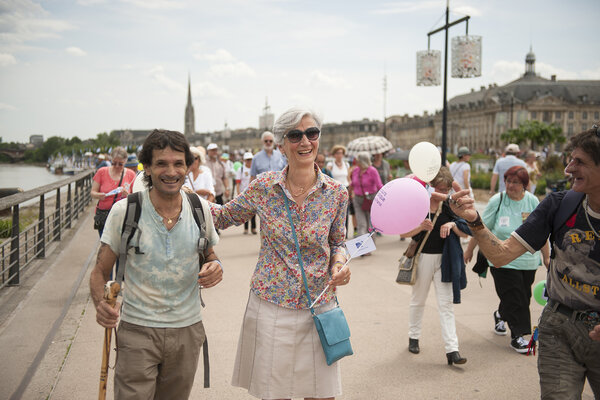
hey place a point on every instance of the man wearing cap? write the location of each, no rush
(268, 159)
(503, 164)
(219, 172)
(242, 180)
(461, 169)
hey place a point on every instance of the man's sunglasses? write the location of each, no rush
(597, 130)
(295, 135)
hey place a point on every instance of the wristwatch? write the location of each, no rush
(476, 225)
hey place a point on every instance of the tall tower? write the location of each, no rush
(266, 120)
(190, 124)
(530, 63)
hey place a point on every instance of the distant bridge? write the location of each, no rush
(13, 154)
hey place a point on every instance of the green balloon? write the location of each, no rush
(237, 165)
(538, 293)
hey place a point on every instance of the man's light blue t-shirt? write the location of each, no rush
(160, 287)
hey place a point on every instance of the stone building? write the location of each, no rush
(477, 119)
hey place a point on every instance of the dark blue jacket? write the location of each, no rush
(453, 264)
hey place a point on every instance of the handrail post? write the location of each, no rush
(41, 236)
(14, 248)
(69, 208)
(57, 216)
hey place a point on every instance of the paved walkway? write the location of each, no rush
(51, 343)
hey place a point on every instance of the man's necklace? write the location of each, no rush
(169, 219)
(587, 218)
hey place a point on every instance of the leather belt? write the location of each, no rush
(589, 318)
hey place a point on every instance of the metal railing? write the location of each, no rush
(30, 242)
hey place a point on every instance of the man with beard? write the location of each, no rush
(268, 159)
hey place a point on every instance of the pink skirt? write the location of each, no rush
(279, 354)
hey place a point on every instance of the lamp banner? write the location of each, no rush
(429, 67)
(466, 56)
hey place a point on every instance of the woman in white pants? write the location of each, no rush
(446, 273)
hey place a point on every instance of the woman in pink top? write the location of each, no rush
(365, 182)
(110, 178)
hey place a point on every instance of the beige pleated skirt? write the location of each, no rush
(279, 354)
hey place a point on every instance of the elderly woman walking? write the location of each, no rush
(279, 355)
(504, 213)
(365, 183)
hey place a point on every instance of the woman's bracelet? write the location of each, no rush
(337, 262)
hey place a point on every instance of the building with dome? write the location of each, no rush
(477, 119)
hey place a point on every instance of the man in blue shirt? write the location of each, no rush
(268, 159)
(504, 164)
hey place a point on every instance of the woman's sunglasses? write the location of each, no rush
(295, 135)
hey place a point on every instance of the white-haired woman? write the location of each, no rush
(199, 178)
(279, 355)
(365, 182)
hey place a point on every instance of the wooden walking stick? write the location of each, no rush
(111, 290)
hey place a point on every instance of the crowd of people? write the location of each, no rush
(299, 197)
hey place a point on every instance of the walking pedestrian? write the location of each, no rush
(440, 262)
(279, 355)
(570, 323)
(365, 182)
(504, 213)
(161, 304)
(503, 164)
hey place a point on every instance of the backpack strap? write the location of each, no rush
(568, 206)
(198, 213)
(129, 229)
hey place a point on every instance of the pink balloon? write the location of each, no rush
(400, 206)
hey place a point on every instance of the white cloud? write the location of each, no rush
(506, 71)
(209, 90)
(90, 2)
(325, 80)
(221, 55)
(157, 73)
(7, 107)
(24, 21)
(236, 69)
(157, 4)
(75, 51)
(223, 63)
(7, 59)
(405, 7)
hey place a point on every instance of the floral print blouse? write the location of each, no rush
(320, 224)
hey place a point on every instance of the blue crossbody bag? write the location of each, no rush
(331, 325)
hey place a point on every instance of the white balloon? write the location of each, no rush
(425, 161)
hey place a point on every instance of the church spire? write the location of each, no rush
(189, 123)
(530, 63)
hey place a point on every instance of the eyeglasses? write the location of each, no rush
(295, 135)
(267, 141)
(118, 164)
(597, 130)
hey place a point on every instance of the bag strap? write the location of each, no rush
(289, 213)
(437, 214)
(120, 181)
(130, 227)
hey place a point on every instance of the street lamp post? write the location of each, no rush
(445, 109)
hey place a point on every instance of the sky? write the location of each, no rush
(82, 67)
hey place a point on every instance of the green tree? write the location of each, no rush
(535, 133)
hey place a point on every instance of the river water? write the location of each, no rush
(25, 176)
